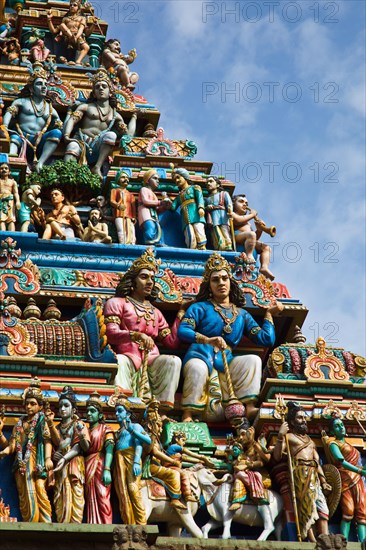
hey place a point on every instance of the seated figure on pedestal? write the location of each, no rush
(133, 325)
(97, 231)
(98, 124)
(73, 30)
(33, 123)
(213, 326)
(62, 220)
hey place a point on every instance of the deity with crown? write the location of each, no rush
(213, 326)
(33, 124)
(91, 130)
(133, 326)
(31, 444)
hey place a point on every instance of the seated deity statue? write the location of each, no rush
(133, 327)
(33, 123)
(91, 130)
(73, 30)
(213, 326)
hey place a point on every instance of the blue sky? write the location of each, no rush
(291, 135)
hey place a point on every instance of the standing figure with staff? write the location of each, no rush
(213, 326)
(133, 325)
(306, 473)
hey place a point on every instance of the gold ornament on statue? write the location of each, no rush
(216, 263)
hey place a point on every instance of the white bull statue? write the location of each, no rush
(217, 497)
(162, 511)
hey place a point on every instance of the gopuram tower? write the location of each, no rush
(152, 367)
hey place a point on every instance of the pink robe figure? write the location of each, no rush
(97, 495)
(122, 316)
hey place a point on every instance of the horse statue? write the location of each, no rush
(217, 494)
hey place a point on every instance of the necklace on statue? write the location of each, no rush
(229, 321)
(42, 110)
(143, 311)
(64, 428)
(103, 116)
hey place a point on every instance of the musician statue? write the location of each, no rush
(219, 212)
(247, 238)
(213, 326)
(133, 327)
(113, 59)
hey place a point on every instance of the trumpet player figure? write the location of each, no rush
(249, 239)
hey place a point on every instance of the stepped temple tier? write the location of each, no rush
(156, 390)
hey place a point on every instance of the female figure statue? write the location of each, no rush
(71, 439)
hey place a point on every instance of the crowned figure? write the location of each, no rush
(133, 326)
(213, 326)
(30, 441)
